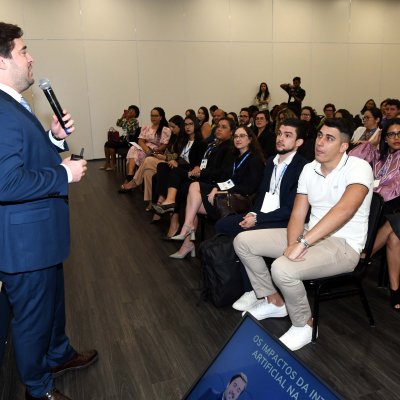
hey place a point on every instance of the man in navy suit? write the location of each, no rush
(34, 226)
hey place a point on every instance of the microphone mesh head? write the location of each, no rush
(44, 84)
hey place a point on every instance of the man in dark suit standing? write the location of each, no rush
(34, 226)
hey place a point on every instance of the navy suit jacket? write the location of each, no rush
(287, 194)
(34, 216)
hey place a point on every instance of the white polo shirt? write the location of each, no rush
(325, 192)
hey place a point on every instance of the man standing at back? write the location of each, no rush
(339, 190)
(34, 225)
(296, 93)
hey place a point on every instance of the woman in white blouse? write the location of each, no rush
(370, 131)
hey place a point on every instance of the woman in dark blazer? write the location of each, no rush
(172, 176)
(242, 175)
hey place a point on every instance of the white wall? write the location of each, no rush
(103, 55)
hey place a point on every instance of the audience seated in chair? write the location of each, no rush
(213, 164)
(203, 118)
(310, 119)
(217, 115)
(370, 131)
(149, 166)
(386, 167)
(265, 135)
(172, 179)
(114, 142)
(329, 112)
(130, 126)
(242, 175)
(339, 190)
(281, 115)
(280, 178)
(233, 115)
(369, 105)
(275, 197)
(152, 139)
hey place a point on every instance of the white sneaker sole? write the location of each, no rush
(280, 313)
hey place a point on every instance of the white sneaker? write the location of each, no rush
(297, 337)
(263, 310)
(245, 302)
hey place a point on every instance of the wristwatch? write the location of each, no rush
(303, 241)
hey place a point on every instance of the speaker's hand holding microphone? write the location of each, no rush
(62, 124)
(61, 127)
(59, 131)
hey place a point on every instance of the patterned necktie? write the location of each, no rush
(25, 104)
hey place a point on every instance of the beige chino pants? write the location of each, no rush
(330, 256)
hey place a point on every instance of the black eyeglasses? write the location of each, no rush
(240, 136)
(393, 135)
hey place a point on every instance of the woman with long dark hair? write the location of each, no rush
(263, 97)
(172, 177)
(385, 163)
(203, 116)
(153, 139)
(149, 166)
(241, 175)
(309, 118)
(265, 136)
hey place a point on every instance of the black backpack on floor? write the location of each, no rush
(222, 279)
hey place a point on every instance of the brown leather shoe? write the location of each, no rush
(79, 361)
(53, 395)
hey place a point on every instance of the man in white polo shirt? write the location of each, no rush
(339, 190)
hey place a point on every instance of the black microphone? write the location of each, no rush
(45, 85)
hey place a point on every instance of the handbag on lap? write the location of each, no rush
(232, 203)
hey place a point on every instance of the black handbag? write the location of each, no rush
(231, 203)
(222, 278)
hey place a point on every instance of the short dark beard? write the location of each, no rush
(281, 152)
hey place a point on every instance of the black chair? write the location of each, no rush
(383, 276)
(350, 283)
(121, 159)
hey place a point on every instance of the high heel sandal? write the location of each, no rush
(166, 237)
(395, 299)
(123, 189)
(180, 256)
(164, 208)
(183, 236)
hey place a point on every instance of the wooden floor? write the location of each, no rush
(139, 308)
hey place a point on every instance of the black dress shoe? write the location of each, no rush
(79, 361)
(53, 395)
